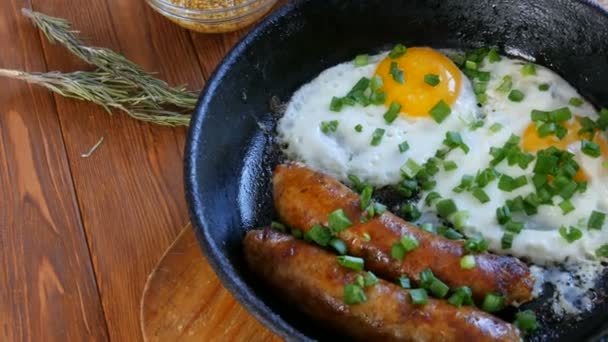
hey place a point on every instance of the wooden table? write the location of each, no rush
(78, 237)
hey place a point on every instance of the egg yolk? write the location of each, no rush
(415, 96)
(531, 142)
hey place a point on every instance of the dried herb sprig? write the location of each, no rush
(58, 30)
(108, 91)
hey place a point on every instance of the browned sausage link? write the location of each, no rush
(311, 279)
(304, 197)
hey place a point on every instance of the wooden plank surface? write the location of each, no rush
(185, 301)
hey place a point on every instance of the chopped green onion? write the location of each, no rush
(590, 148)
(404, 282)
(358, 185)
(338, 221)
(431, 79)
(503, 214)
(297, 233)
(467, 262)
(361, 60)
(476, 124)
(278, 226)
(566, 206)
(493, 56)
(476, 244)
(449, 233)
(514, 227)
(462, 296)
(515, 204)
(454, 140)
(440, 111)
(404, 146)
(319, 234)
(528, 69)
(545, 163)
(365, 237)
(370, 279)
(576, 102)
(602, 252)
(449, 165)
(419, 296)
(426, 277)
(480, 195)
(465, 184)
(351, 262)
(366, 196)
(392, 112)
(495, 127)
(328, 127)
(377, 98)
(429, 227)
(560, 114)
(570, 234)
(472, 65)
(353, 294)
(446, 207)
(539, 115)
(544, 87)
(338, 245)
(484, 177)
(483, 76)
(359, 280)
(336, 104)
(397, 73)
(506, 85)
(377, 136)
(596, 220)
(506, 241)
(359, 128)
(410, 211)
(516, 95)
(482, 99)
(411, 168)
(375, 83)
(546, 129)
(492, 303)
(526, 321)
(431, 198)
(459, 219)
(398, 251)
(409, 243)
(438, 288)
(508, 183)
(397, 51)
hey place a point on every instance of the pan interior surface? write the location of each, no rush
(231, 152)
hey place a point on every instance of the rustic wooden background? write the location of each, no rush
(78, 237)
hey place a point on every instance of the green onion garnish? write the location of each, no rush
(366, 196)
(545, 163)
(484, 177)
(507, 183)
(546, 129)
(506, 241)
(467, 262)
(431, 79)
(476, 244)
(503, 214)
(495, 127)
(440, 111)
(472, 65)
(480, 195)
(576, 102)
(526, 321)
(397, 73)
(365, 237)
(403, 147)
(446, 207)
(398, 251)
(392, 112)
(404, 282)
(409, 243)
(419, 296)
(411, 168)
(454, 140)
(431, 198)
(570, 234)
(462, 296)
(377, 98)
(438, 288)
(602, 252)
(410, 211)
(596, 220)
(566, 206)
(516, 95)
(328, 127)
(506, 85)
(361, 60)
(359, 128)
(492, 303)
(375, 83)
(560, 114)
(465, 184)
(449, 165)
(539, 115)
(351, 262)
(370, 279)
(544, 87)
(514, 227)
(429, 227)
(353, 294)
(493, 56)
(338, 221)
(397, 51)
(338, 245)
(377, 136)
(528, 69)
(319, 234)
(278, 226)
(590, 148)
(426, 277)
(336, 104)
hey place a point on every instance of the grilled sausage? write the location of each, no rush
(304, 197)
(311, 279)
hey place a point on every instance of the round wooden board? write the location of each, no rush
(183, 300)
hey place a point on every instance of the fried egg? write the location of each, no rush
(358, 139)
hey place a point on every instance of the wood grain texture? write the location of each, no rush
(185, 301)
(130, 191)
(47, 286)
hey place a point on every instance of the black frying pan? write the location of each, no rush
(230, 150)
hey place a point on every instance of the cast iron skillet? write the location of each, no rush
(230, 152)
